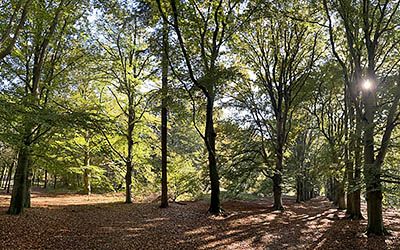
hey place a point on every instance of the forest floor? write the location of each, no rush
(68, 221)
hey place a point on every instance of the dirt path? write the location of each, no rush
(104, 222)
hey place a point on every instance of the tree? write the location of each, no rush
(367, 27)
(281, 54)
(36, 68)
(164, 116)
(127, 64)
(213, 24)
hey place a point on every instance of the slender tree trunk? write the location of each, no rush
(349, 148)
(357, 215)
(129, 163)
(45, 179)
(210, 136)
(86, 174)
(9, 177)
(164, 119)
(298, 190)
(55, 181)
(3, 175)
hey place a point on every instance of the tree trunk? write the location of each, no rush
(9, 177)
(45, 179)
(55, 181)
(3, 175)
(129, 164)
(128, 182)
(86, 174)
(298, 190)
(277, 182)
(20, 177)
(27, 203)
(372, 169)
(210, 136)
(357, 215)
(277, 177)
(164, 119)
(341, 200)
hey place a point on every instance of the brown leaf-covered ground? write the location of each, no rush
(68, 221)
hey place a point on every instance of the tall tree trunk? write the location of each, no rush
(27, 203)
(86, 174)
(55, 181)
(9, 177)
(298, 190)
(45, 179)
(372, 169)
(277, 180)
(357, 215)
(129, 164)
(21, 173)
(210, 136)
(349, 149)
(164, 118)
(3, 174)
(277, 177)
(341, 196)
(128, 182)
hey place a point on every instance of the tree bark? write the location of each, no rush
(20, 177)
(210, 135)
(164, 118)
(372, 169)
(27, 203)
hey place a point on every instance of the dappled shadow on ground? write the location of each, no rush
(104, 222)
